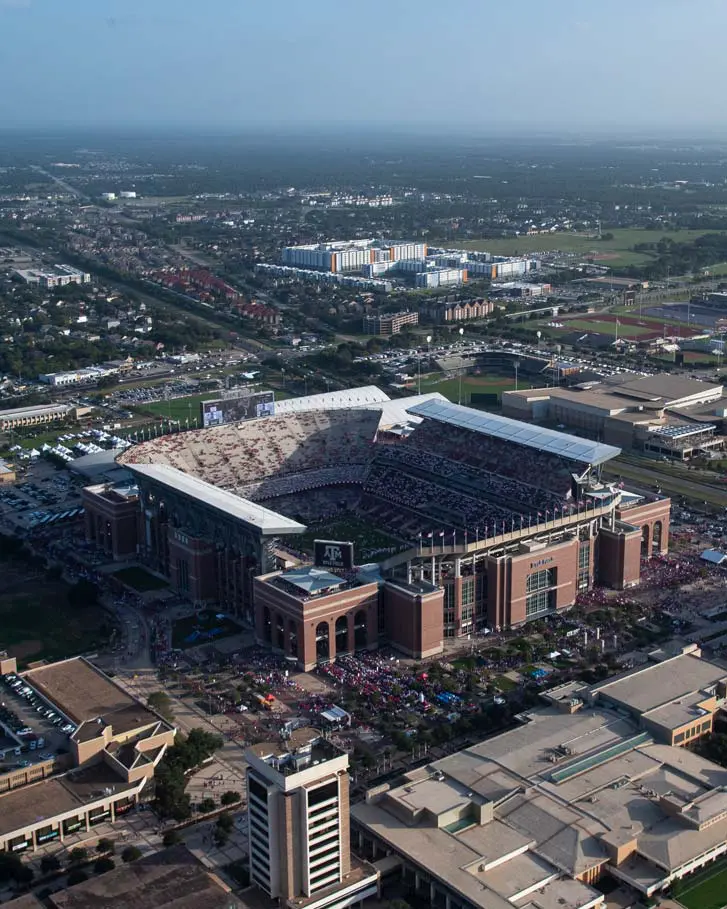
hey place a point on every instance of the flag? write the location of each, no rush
(441, 533)
(430, 535)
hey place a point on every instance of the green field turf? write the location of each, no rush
(36, 621)
(177, 408)
(608, 328)
(350, 527)
(487, 384)
(140, 579)
(619, 247)
(706, 890)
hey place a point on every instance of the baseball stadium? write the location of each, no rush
(492, 522)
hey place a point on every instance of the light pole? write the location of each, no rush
(419, 366)
(517, 366)
(459, 400)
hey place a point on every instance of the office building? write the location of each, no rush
(587, 786)
(350, 255)
(666, 415)
(298, 824)
(58, 276)
(112, 744)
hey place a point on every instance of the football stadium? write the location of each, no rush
(492, 521)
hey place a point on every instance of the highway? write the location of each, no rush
(668, 484)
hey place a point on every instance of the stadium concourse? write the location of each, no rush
(496, 521)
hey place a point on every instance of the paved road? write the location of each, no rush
(62, 183)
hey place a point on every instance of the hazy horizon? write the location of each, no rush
(654, 68)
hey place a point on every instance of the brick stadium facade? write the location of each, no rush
(536, 548)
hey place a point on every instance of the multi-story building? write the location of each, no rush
(592, 785)
(111, 746)
(458, 310)
(441, 277)
(350, 255)
(389, 323)
(61, 276)
(298, 824)
(37, 416)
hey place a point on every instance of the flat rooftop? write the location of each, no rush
(170, 879)
(658, 684)
(219, 500)
(45, 800)
(83, 694)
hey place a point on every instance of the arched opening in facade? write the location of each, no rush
(341, 634)
(360, 632)
(323, 644)
(656, 537)
(267, 626)
(293, 638)
(645, 541)
(279, 632)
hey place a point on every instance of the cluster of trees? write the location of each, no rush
(679, 258)
(12, 869)
(170, 779)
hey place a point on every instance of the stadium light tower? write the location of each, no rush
(461, 368)
(419, 366)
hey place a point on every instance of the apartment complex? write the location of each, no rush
(298, 824)
(350, 255)
(389, 324)
(59, 276)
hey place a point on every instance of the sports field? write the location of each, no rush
(36, 621)
(177, 408)
(484, 384)
(706, 889)
(349, 527)
(617, 251)
(629, 327)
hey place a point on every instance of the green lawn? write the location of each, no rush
(177, 408)
(188, 406)
(195, 629)
(139, 579)
(619, 248)
(706, 890)
(487, 384)
(504, 683)
(36, 621)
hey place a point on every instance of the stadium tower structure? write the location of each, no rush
(493, 522)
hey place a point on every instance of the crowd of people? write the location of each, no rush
(493, 455)
(231, 455)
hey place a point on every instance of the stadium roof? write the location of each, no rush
(364, 396)
(396, 411)
(547, 440)
(262, 519)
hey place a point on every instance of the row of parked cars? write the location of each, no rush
(21, 688)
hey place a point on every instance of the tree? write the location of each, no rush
(104, 864)
(162, 703)
(206, 805)
(11, 868)
(83, 593)
(171, 838)
(105, 845)
(130, 854)
(49, 863)
(225, 822)
(76, 876)
(230, 797)
(78, 855)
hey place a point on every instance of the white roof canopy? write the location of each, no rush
(560, 444)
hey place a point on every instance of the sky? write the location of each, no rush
(479, 66)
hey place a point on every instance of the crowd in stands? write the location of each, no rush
(234, 454)
(494, 455)
(310, 505)
(481, 484)
(285, 485)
